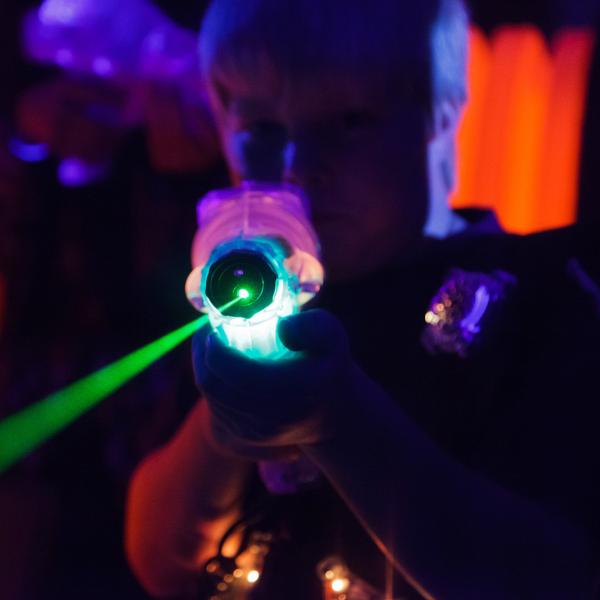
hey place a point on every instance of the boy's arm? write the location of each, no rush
(455, 534)
(181, 501)
(452, 533)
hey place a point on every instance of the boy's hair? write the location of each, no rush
(416, 48)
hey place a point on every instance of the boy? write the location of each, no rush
(441, 457)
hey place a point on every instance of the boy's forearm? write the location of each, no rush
(454, 534)
(181, 501)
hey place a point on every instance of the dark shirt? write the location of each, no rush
(521, 409)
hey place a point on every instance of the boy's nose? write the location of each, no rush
(302, 164)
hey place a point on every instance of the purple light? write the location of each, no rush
(75, 13)
(470, 323)
(64, 57)
(28, 152)
(75, 172)
(103, 67)
(61, 12)
(131, 38)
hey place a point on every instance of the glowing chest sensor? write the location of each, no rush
(256, 259)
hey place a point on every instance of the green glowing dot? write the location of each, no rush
(243, 294)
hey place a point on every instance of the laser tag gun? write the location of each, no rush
(256, 259)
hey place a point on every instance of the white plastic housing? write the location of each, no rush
(240, 216)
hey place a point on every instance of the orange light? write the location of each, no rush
(339, 584)
(253, 576)
(520, 138)
(559, 186)
(471, 131)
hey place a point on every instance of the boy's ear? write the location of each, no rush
(443, 119)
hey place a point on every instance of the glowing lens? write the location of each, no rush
(245, 275)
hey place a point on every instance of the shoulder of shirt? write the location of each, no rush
(483, 245)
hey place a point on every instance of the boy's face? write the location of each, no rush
(358, 154)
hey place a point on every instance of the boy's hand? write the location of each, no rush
(258, 404)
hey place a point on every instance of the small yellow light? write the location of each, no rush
(431, 318)
(329, 574)
(253, 576)
(211, 567)
(339, 584)
(238, 573)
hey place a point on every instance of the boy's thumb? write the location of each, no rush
(312, 331)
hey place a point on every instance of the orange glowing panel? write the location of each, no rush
(557, 202)
(524, 52)
(519, 141)
(471, 131)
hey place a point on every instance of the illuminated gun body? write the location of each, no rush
(254, 244)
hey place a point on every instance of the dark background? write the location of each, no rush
(91, 274)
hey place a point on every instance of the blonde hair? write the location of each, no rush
(418, 50)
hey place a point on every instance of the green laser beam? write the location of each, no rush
(24, 431)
